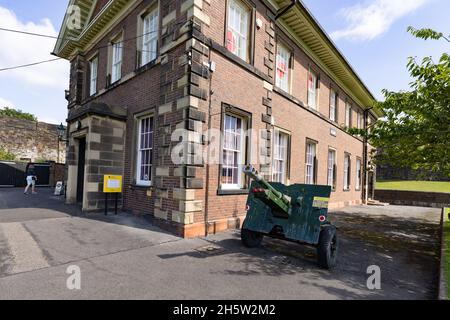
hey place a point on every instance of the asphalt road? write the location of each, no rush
(125, 257)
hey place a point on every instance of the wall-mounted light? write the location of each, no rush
(259, 23)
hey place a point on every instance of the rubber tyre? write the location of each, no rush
(251, 239)
(328, 248)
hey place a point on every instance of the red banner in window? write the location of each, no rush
(281, 67)
(231, 42)
(311, 85)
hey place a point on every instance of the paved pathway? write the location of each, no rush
(125, 257)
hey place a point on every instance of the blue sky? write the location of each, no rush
(371, 34)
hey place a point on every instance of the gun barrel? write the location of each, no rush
(251, 172)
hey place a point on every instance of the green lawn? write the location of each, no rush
(426, 186)
(447, 250)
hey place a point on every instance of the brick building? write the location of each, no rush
(149, 78)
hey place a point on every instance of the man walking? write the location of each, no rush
(31, 180)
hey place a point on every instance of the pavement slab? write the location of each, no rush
(26, 253)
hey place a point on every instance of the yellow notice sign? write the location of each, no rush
(320, 202)
(112, 184)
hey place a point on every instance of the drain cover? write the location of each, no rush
(211, 250)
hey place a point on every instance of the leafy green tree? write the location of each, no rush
(415, 132)
(428, 34)
(5, 155)
(18, 114)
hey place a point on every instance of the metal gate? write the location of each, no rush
(12, 174)
(43, 174)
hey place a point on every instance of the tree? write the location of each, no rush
(18, 114)
(5, 155)
(415, 132)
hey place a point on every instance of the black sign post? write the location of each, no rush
(116, 203)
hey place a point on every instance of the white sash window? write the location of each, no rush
(348, 115)
(333, 105)
(150, 37)
(280, 157)
(93, 79)
(332, 169)
(347, 172)
(283, 68)
(145, 151)
(311, 161)
(233, 152)
(238, 29)
(313, 85)
(116, 73)
(358, 174)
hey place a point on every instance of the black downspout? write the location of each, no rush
(208, 167)
(366, 156)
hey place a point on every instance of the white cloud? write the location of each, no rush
(17, 49)
(6, 103)
(371, 19)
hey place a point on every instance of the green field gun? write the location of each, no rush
(297, 213)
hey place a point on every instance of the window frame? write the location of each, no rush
(139, 150)
(359, 174)
(313, 165)
(93, 89)
(334, 118)
(250, 38)
(348, 115)
(284, 175)
(360, 117)
(347, 172)
(245, 154)
(153, 38)
(311, 71)
(116, 42)
(332, 169)
(278, 83)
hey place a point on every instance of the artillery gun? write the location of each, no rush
(296, 213)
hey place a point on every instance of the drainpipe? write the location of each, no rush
(366, 157)
(208, 156)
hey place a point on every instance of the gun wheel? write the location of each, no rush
(251, 239)
(328, 248)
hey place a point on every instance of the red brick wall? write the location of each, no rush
(234, 85)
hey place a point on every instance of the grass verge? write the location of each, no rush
(424, 186)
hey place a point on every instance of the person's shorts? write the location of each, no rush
(30, 181)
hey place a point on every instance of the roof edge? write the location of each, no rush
(333, 45)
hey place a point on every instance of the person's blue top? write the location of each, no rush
(31, 172)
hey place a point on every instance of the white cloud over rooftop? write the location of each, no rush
(371, 19)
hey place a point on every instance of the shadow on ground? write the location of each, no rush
(403, 244)
(45, 205)
(405, 249)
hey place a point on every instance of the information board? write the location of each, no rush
(112, 184)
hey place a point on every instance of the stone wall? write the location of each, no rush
(411, 198)
(31, 141)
